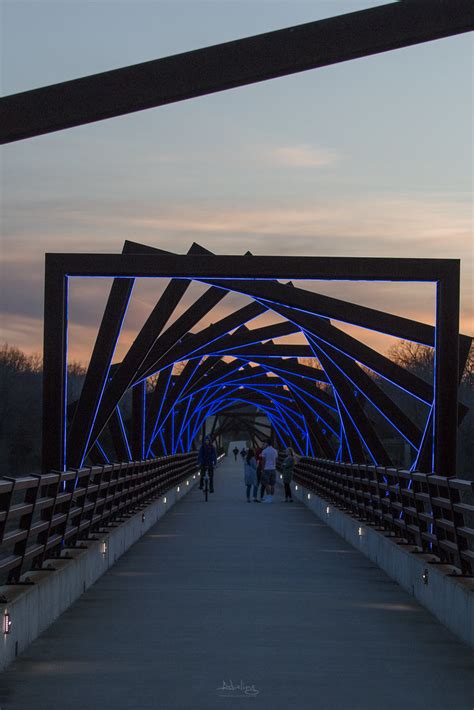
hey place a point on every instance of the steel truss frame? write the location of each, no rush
(328, 421)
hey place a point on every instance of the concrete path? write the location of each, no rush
(226, 594)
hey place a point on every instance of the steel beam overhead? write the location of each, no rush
(219, 268)
(232, 64)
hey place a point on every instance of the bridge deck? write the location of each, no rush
(227, 591)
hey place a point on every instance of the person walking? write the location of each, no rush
(258, 456)
(207, 459)
(235, 451)
(269, 456)
(250, 473)
(287, 470)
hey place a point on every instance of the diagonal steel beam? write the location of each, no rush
(245, 336)
(241, 378)
(345, 392)
(98, 370)
(124, 375)
(172, 335)
(119, 436)
(329, 307)
(267, 350)
(185, 349)
(226, 66)
(376, 396)
(360, 352)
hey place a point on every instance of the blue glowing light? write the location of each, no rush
(124, 432)
(106, 458)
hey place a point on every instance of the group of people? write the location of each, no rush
(260, 470)
(235, 451)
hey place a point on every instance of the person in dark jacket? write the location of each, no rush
(287, 470)
(235, 451)
(207, 459)
(250, 473)
(258, 456)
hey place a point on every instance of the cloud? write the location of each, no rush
(371, 225)
(303, 156)
(390, 225)
(23, 331)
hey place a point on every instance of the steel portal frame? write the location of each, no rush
(156, 351)
(196, 73)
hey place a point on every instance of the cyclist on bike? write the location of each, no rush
(207, 459)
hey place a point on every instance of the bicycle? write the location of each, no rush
(206, 481)
(206, 485)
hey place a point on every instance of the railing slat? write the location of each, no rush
(426, 510)
(61, 508)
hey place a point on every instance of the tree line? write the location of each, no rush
(21, 403)
(21, 391)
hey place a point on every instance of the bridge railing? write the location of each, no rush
(434, 513)
(42, 514)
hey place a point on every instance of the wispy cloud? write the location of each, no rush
(23, 331)
(435, 226)
(368, 226)
(303, 155)
(371, 225)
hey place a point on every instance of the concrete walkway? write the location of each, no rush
(226, 593)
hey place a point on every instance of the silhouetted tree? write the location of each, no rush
(20, 411)
(21, 389)
(21, 402)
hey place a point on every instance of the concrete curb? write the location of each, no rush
(45, 594)
(449, 598)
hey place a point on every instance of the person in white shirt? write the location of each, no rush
(269, 456)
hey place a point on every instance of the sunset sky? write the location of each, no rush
(371, 157)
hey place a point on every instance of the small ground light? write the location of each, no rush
(281, 476)
(7, 622)
(103, 547)
(309, 496)
(177, 489)
(328, 509)
(296, 488)
(424, 576)
(187, 483)
(143, 517)
(164, 499)
(360, 531)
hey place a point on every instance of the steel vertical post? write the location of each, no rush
(54, 365)
(446, 371)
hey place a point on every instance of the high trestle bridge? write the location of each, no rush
(225, 600)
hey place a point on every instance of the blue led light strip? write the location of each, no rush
(124, 432)
(364, 394)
